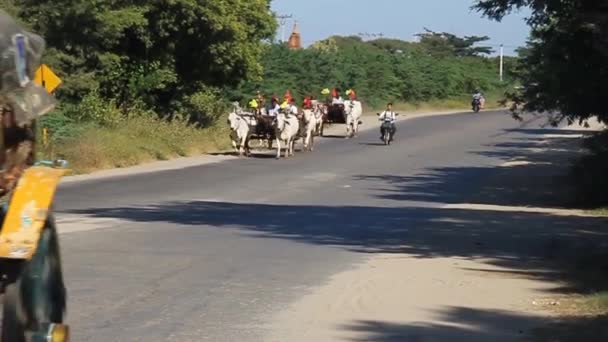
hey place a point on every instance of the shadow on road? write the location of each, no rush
(464, 324)
(523, 244)
(334, 136)
(535, 172)
(372, 144)
(458, 324)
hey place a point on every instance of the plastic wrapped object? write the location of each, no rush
(20, 54)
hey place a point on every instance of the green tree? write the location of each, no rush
(564, 67)
(447, 44)
(156, 52)
(379, 70)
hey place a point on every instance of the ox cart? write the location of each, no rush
(262, 129)
(332, 114)
(260, 126)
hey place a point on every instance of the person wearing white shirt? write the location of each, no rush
(275, 108)
(292, 108)
(478, 96)
(391, 116)
(337, 100)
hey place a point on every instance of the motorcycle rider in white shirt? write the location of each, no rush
(390, 115)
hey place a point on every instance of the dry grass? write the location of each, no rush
(574, 329)
(492, 102)
(600, 211)
(583, 316)
(135, 141)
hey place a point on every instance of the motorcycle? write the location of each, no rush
(387, 129)
(476, 105)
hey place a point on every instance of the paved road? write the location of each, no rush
(212, 252)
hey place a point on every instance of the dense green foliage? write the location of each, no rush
(169, 56)
(446, 44)
(565, 64)
(440, 66)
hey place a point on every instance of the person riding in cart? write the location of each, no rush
(327, 95)
(275, 108)
(260, 98)
(336, 97)
(287, 97)
(253, 104)
(351, 94)
(307, 104)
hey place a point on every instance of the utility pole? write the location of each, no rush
(501, 62)
(282, 21)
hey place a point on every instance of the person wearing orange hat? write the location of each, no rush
(288, 97)
(351, 94)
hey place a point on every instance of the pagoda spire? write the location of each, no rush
(295, 40)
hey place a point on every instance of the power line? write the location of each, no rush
(370, 35)
(282, 21)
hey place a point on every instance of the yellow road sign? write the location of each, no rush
(47, 78)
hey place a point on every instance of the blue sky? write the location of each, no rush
(319, 19)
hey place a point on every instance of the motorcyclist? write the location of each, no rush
(477, 96)
(391, 116)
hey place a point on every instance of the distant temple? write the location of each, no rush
(295, 41)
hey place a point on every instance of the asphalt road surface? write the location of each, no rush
(212, 252)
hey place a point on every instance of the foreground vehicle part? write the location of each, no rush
(34, 302)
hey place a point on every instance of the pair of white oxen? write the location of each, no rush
(287, 127)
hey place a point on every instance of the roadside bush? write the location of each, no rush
(137, 139)
(95, 109)
(203, 107)
(589, 173)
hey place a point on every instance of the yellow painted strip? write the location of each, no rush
(28, 210)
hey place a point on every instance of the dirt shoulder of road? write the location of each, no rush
(369, 122)
(402, 297)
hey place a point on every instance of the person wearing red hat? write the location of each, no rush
(307, 102)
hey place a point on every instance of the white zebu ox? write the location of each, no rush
(353, 110)
(319, 111)
(286, 128)
(240, 131)
(309, 120)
